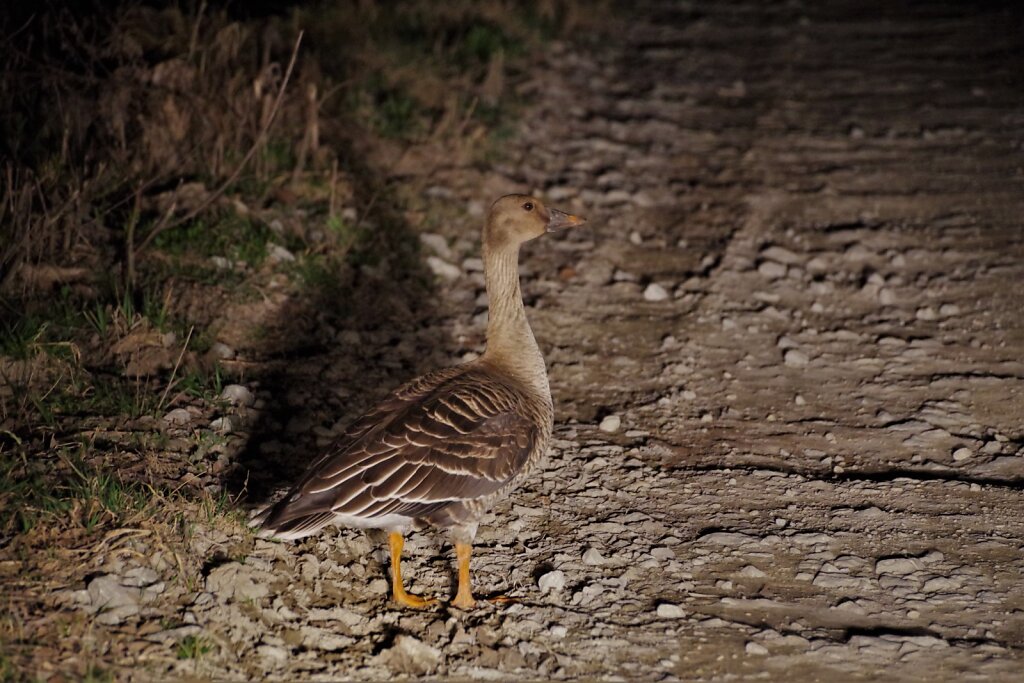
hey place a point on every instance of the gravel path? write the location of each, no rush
(788, 364)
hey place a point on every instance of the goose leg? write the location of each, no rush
(464, 597)
(396, 543)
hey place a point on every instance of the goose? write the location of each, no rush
(441, 449)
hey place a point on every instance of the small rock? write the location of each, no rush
(772, 270)
(409, 655)
(473, 265)
(178, 416)
(436, 243)
(663, 554)
(235, 580)
(220, 262)
(898, 566)
(552, 581)
(948, 310)
(223, 425)
(795, 358)
(593, 557)
(443, 269)
(278, 254)
(752, 572)
(756, 649)
(962, 454)
(926, 313)
(610, 424)
(667, 610)
(781, 255)
(237, 395)
(274, 652)
(655, 292)
(558, 631)
(222, 351)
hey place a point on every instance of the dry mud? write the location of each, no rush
(788, 364)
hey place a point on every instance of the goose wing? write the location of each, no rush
(434, 441)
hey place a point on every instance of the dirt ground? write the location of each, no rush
(787, 355)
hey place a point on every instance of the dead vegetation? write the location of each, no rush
(188, 191)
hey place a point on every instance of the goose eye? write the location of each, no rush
(528, 206)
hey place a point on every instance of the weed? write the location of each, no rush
(32, 494)
(94, 674)
(193, 647)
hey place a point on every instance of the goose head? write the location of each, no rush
(518, 218)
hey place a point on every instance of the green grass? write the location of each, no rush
(228, 235)
(194, 647)
(31, 494)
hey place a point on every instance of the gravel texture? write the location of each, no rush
(787, 357)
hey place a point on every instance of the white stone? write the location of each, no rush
(223, 425)
(898, 566)
(222, 351)
(756, 649)
(237, 395)
(655, 292)
(962, 454)
(772, 270)
(781, 255)
(473, 265)
(593, 557)
(558, 631)
(667, 610)
(178, 416)
(443, 269)
(947, 310)
(278, 254)
(414, 655)
(552, 581)
(795, 358)
(610, 424)
(436, 243)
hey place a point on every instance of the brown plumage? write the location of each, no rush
(441, 449)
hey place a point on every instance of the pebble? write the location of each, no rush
(443, 269)
(274, 652)
(926, 313)
(223, 425)
(178, 416)
(667, 610)
(795, 358)
(552, 581)
(410, 655)
(610, 424)
(593, 557)
(962, 454)
(558, 631)
(781, 255)
(222, 351)
(898, 566)
(237, 395)
(655, 292)
(772, 270)
(756, 649)
(473, 265)
(278, 254)
(436, 243)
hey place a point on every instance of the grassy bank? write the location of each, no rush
(192, 194)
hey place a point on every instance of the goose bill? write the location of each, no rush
(560, 220)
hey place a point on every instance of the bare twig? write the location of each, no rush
(260, 139)
(194, 39)
(174, 372)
